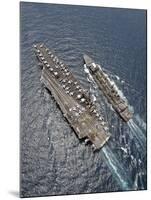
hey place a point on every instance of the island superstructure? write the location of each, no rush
(108, 89)
(76, 105)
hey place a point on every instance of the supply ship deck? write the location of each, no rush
(108, 89)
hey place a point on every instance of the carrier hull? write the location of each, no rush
(72, 99)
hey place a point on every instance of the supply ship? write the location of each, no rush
(73, 100)
(108, 89)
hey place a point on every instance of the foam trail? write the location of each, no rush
(116, 168)
(141, 181)
(137, 133)
(136, 182)
(111, 160)
(140, 122)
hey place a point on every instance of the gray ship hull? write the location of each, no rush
(108, 89)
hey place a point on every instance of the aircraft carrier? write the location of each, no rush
(108, 89)
(75, 103)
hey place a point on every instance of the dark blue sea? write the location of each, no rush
(53, 160)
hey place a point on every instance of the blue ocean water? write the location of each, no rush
(53, 160)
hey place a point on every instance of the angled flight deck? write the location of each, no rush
(72, 99)
(108, 89)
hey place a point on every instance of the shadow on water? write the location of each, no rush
(14, 193)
